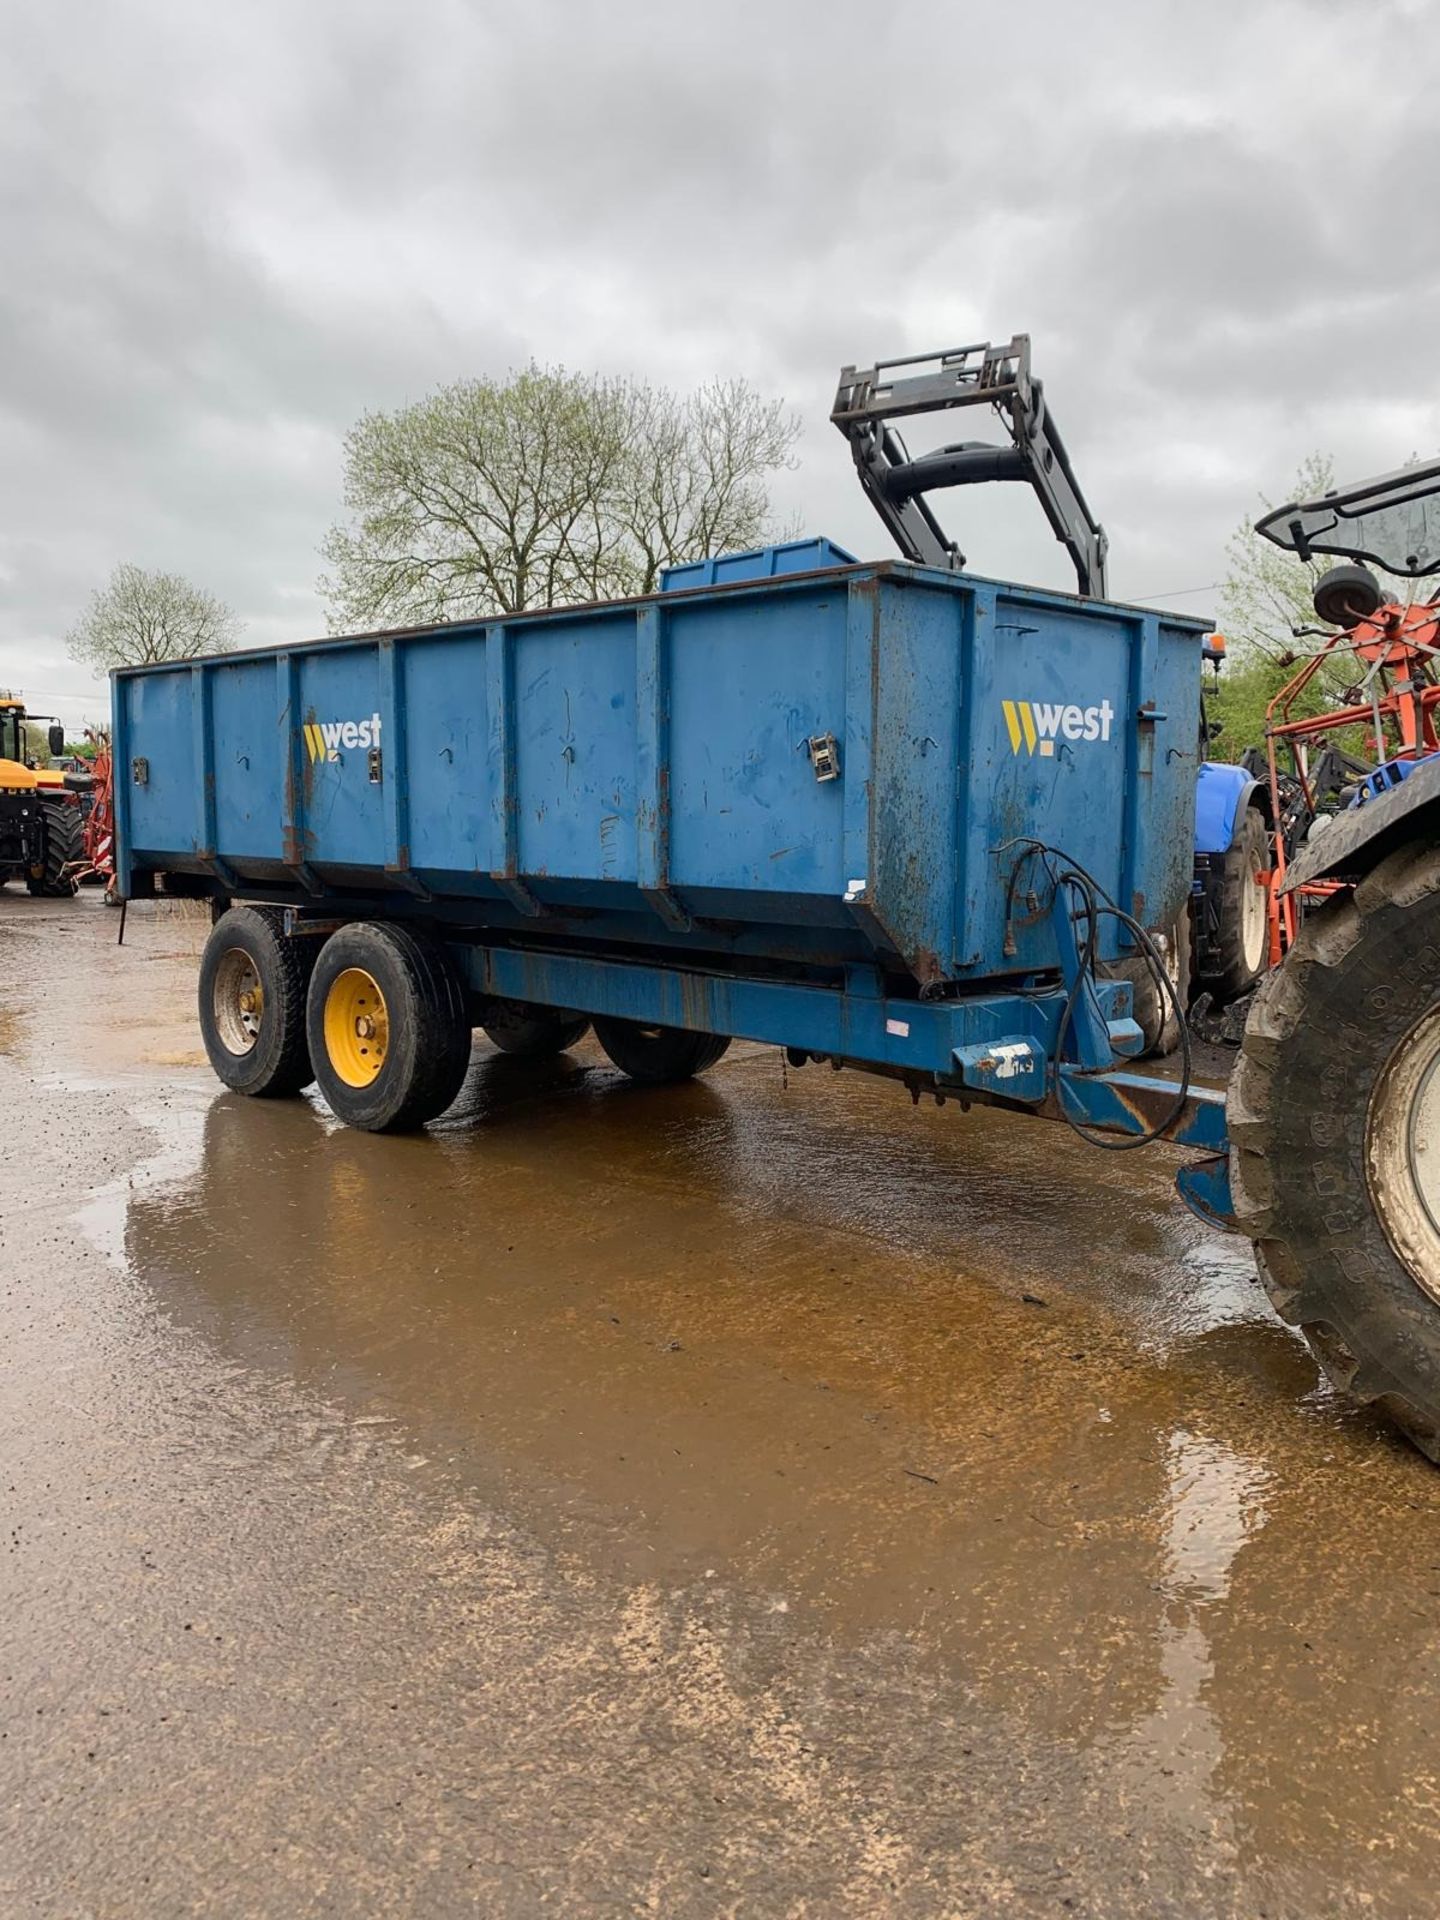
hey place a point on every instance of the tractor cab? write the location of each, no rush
(1392, 521)
(16, 773)
(41, 819)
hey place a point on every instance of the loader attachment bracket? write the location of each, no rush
(868, 400)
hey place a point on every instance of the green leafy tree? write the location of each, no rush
(1266, 594)
(140, 617)
(37, 745)
(1238, 697)
(545, 489)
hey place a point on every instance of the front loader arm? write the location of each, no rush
(867, 401)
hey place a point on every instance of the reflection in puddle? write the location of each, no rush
(1215, 1505)
(608, 1316)
(174, 1163)
(934, 1434)
(1215, 1285)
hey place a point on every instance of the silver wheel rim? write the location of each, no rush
(1402, 1151)
(1253, 914)
(237, 1001)
(1167, 945)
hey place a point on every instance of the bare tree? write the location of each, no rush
(695, 475)
(546, 489)
(140, 617)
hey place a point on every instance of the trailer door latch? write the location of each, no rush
(824, 751)
(140, 770)
(372, 761)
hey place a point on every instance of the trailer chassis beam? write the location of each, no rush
(995, 1047)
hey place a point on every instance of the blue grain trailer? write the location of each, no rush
(834, 809)
(888, 816)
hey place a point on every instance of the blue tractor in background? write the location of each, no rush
(1229, 923)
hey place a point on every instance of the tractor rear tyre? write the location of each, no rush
(532, 1032)
(1152, 1009)
(388, 1025)
(64, 851)
(1242, 940)
(252, 1003)
(1334, 1118)
(659, 1056)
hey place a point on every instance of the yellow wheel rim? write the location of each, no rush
(357, 1027)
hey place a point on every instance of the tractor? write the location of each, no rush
(41, 813)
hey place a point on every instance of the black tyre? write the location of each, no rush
(388, 1027)
(657, 1056)
(1154, 1012)
(1242, 939)
(1334, 1118)
(252, 1003)
(64, 850)
(532, 1032)
(1344, 595)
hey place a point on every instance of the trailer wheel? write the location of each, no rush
(388, 1027)
(64, 850)
(1334, 1116)
(1152, 1010)
(252, 1003)
(531, 1032)
(1242, 941)
(657, 1056)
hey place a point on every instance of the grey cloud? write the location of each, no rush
(226, 233)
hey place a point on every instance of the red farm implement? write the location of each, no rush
(1379, 675)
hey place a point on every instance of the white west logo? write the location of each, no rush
(325, 738)
(1039, 723)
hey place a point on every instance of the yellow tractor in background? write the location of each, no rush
(41, 815)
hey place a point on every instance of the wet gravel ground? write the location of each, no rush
(756, 1497)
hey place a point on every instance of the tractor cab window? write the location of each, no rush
(11, 744)
(1393, 521)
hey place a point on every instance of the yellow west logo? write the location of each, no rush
(1040, 723)
(1020, 724)
(324, 739)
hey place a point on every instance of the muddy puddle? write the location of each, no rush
(948, 1385)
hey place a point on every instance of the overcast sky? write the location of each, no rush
(225, 231)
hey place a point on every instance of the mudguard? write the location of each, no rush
(1360, 837)
(1221, 791)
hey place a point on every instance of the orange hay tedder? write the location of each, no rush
(1377, 666)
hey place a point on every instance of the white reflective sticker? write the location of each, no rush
(1012, 1057)
(902, 1027)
